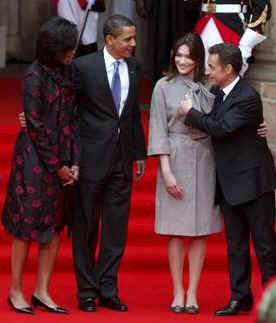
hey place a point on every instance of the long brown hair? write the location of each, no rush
(197, 54)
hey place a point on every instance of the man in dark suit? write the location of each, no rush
(111, 139)
(246, 176)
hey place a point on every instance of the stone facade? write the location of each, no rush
(262, 75)
(22, 20)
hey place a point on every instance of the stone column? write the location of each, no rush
(3, 30)
(265, 66)
(22, 20)
(39, 11)
(13, 39)
(262, 75)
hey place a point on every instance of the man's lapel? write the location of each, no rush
(103, 82)
(131, 74)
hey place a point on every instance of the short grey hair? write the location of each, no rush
(114, 24)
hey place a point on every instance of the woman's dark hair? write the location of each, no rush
(228, 54)
(114, 24)
(197, 53)
(55, 37)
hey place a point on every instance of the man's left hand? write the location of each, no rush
(140, 169)
(185, 107)
(263, 130)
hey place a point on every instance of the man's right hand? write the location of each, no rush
(22, 120)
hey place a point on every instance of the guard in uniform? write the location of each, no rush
(74, 11)
(240, 22)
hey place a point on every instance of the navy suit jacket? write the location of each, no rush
(99, 120)
(244, 163)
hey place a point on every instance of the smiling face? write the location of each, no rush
(218, 74)
(184, 64)
(122, 46)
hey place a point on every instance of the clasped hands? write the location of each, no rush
(68, 176)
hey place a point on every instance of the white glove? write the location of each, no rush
(249, 40)
(90, 4)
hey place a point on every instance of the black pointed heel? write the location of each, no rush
(177, 309)
(192, 309)
(22, 310)
(58, 310)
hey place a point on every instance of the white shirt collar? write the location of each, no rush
(109, 59)
(230, 87)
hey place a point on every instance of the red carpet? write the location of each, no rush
(144, 278)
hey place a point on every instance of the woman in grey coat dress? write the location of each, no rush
(185, 193)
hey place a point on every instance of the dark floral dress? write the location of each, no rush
(49, 141)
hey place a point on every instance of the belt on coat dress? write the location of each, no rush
(223, 8)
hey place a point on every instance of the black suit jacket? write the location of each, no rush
(244, 164)
(99, 120)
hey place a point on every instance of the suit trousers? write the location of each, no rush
(108, 200)
(256, 219)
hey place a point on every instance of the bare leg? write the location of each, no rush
(197, 251)
(46, 262)
(19, 255)
(176, 262)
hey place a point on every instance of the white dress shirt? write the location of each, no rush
(230, 87)
(123, 72)
(71, 10)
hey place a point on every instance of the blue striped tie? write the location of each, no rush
(116, 86)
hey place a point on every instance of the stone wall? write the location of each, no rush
(262, 75)
(23, 19)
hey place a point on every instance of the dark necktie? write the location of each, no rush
(219, 97)
(116, 86)
(218, 100)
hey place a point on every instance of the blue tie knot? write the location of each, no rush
(116, 66)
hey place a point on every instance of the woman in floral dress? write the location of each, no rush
(46, 157)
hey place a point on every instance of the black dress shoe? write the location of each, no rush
(22, 310)
(57, 309)
(87, 304)
(235, 306)
(177, 309)
(191, 309)
(114, 303)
